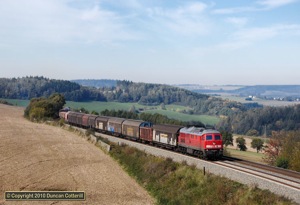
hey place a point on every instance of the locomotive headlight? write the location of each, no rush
(209, 146)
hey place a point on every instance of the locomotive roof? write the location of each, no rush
(198, 130)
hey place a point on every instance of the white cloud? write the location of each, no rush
(184, 20)
(237, 21)
(131, 4)
(246, 37)
(256, 34)
(275, 3)
(234, 10)
(193, 8)
(71, 21)
(262, 5)
(57, 21)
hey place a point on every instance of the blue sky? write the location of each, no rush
(157, 41)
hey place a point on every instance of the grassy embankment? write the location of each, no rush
(172, 111)
(251, 154)
(176, 183)
(246, 155)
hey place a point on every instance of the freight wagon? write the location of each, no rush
(166, 135)
(131, 128)
(114, 125)
(101, 124)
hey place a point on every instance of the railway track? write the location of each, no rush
(285, 178)
(285, 173)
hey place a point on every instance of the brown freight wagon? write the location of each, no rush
(79, 119)
(101, 123)
(166, 135)
(114, 125)
(72, 118)
(146, 134)
(92, 120)
(85, 119)
(131, 128)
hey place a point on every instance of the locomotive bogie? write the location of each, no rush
(213, 154)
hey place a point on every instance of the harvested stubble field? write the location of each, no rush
(38, 157)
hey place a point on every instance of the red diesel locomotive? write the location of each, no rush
(205, 143)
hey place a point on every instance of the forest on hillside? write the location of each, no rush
(124, 91)
(27, 88)
(250, 119)
(262, 121)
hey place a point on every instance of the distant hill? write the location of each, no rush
(209, 88)
(288, 92)
(274, 91)
(96, 83)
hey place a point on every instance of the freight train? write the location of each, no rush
(197, 141)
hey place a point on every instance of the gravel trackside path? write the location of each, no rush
(37, 157)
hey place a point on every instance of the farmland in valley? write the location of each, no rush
(172, 111)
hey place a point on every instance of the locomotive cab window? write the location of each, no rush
(217, 137)
(208, 137)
